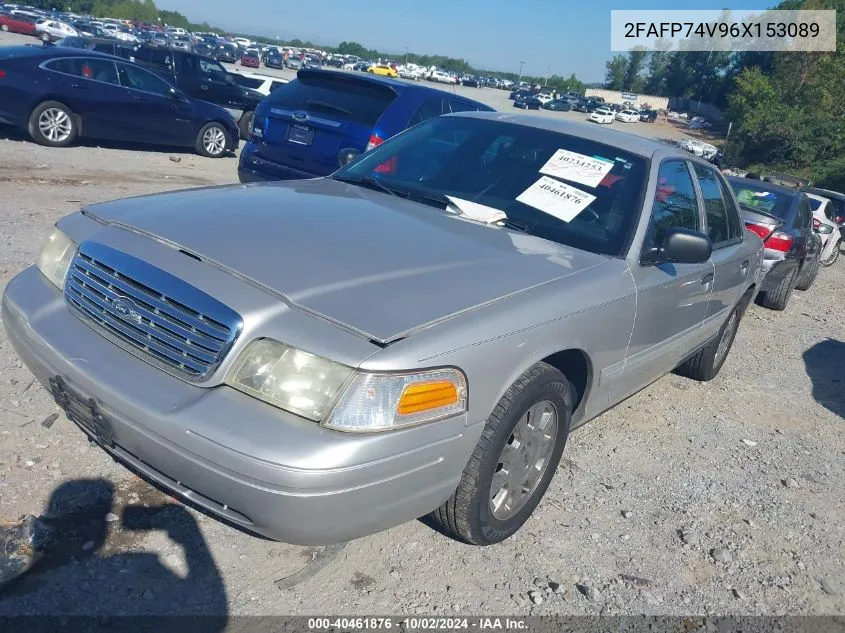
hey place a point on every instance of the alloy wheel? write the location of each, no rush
(214, 141)
(524, 460)
(55, 125)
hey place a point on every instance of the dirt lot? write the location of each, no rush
(719, 498)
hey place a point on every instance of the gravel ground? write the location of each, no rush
(706, 499)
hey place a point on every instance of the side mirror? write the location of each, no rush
(347, 155)
(684, 246)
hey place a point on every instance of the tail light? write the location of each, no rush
(839, 218)
(375, 141)
(816, 224)
(779, 242)
(2, 73)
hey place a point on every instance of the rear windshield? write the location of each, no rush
(336, 96)
(758, 197)
(814, 204)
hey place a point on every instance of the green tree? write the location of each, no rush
(632, 79)
(617, 67)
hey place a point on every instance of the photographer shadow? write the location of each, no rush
(80, 565)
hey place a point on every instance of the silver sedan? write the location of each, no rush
(419, 333)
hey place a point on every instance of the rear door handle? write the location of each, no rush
(78, 86)
(707, 279)
(744, 267)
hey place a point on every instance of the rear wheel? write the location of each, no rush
(777, 298)
(53, 124)
(45, 37)
(808, 274)
(705, 364)
(211, 140)
(4, 28)
(834, 255)
(245, 124)
(514, 460)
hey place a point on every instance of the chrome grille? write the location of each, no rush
(149, 312)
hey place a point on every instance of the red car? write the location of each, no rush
(16, 24)
(250, 59)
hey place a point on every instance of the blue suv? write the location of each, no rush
(312, 125)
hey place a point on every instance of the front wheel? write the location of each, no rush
(245, 124)
(211, 140)
(45, 37)
(514, 460)
(4, 28)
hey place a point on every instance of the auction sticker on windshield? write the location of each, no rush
(555, 198)
(586, 170)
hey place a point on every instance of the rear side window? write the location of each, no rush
(247, 82)
(101, 70)
(461, 106)
(428, 109)
(804, 215)
(335, 96)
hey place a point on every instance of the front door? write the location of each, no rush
(672, 299)
(156, 115)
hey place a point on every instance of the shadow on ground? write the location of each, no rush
(85, 563)
(825, 365)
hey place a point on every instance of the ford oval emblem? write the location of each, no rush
(125, 308)
(300, 116)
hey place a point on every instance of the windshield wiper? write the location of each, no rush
(370, 183)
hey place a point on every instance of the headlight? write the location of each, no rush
(288, 378)
(55, 257)
(377, 402)
(309, 385)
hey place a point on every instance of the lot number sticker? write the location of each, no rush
(555, 198)
(577, 167)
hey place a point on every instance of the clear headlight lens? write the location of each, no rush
(309, 385)
(55, 257)
(288, 378)
(378, 402)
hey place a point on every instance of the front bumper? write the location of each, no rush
(321, 487)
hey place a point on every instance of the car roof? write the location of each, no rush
(625, 141)
(739, 180)
(827, 193)
(397, 85)
(816, 196)
(51, 51)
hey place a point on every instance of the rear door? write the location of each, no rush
(808, 241)
(93, 91)
(725, 229)
(310, 119)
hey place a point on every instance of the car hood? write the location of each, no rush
(376, 264)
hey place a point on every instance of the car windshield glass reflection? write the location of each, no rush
(559, 187)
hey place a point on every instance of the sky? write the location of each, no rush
(552, 37)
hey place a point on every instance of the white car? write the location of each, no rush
(52, 30)
(602, 115)
(628, 116)
(265, 84)
(544, 98)
(824, 223)
(442, 78)
(175, 30)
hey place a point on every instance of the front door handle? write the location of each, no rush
(78, 86)
(707, 279)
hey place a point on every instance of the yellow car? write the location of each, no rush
(384, 71)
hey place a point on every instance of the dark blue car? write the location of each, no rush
(312, 125)
(57, 94)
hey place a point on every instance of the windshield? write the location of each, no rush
(559, 187)
(758, 197)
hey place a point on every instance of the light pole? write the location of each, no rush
(521, 65)
(406, 55)
(548, 72)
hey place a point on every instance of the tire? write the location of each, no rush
(212, 140)
(833, 256)
(469, 515)
(45, 37)
(4, 28)
(245, 124)
(808, 274)
(778, 298)
(52, 124)
(705, 364)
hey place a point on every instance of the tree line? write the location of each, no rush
(786, 110)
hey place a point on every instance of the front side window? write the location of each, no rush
(675, 204)
(139, 79)
(559, 187)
